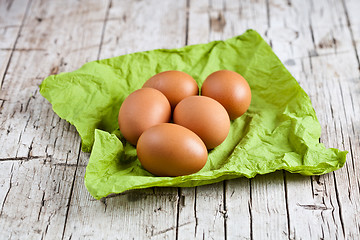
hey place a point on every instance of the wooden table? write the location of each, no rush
(42, 192)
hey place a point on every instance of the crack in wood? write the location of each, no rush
(15, 42)
(352, 155)
(103, 200)
(286, 204)
(135, 195)
(314, 207)
(18, 142)
(224, 209)
(42, 205)
(25, 159)
(21, 158)
(30, 148)
(187, 16)
(68, 164)
(46, 229)
(48, 223)
(195, 212)
(22, 49)
(179, 196)
(71, 193)
(332, 213)
(322, 231)
(339, 204)
(167, 229)
(8, 191)
(250, 210)
(268, 14)
(104, 27)
(312, 187)
(353, 162)
(2, 103)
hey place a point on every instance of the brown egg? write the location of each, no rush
(141, 110)
(171, 150)
(230, 89)
(175, 85)
(205, 117)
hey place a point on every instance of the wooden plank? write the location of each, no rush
(291, 38)
(259, 213)
(41, 149)
(322, 215)
(226, 19)
(26, 112)
(339, 90)
(201, 213)
(12, 14)
(143, 27)
(238, 209)
(292, 34)
(323, 208)
(140, 214)
(34, 198)
(268, 207)
(269, 216)
(335, 77)
(246, 198)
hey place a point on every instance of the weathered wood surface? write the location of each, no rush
(42, 194)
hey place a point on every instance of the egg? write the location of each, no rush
(142, 109)
(175, 85)
(171, 150)
(230, 89)
(205, 117)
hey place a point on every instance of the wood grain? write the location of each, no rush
(12, 16)
(42, 194)
(141, 214)
(323, 23)
(39, 151)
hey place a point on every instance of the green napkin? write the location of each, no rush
(279, 131)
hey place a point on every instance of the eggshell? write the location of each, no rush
(230, 89)
(141, 110)
(205, 117)
(175, 85)
(168, 149)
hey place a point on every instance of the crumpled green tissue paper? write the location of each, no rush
(279, 131)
